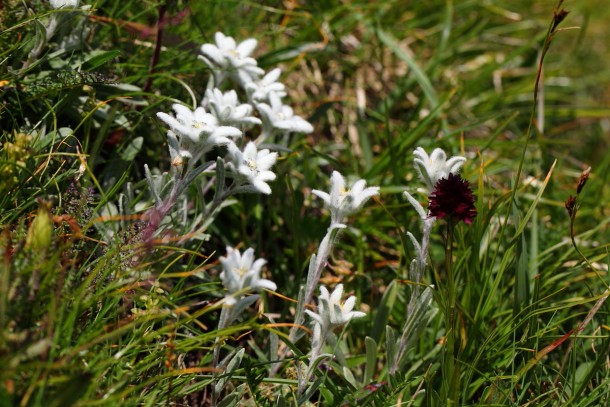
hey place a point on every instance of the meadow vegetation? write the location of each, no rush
(293, 203)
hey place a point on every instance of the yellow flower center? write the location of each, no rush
(240, 271)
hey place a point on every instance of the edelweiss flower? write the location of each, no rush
(230, 58)
(252, 167)
(227, 109)
(331, 312)
(342, 202)
(436, 166)
(282, 117)
(63, 3)
(261, 89)
(242, 272)
(200, 127)
(452, 198)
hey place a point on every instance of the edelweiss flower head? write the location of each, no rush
(200, 127)
(331, 312)
(452, 198)
(436, 166)
(242, 272)
(253, 166)
(342, 202)
(64, 3)
(281, 117)
(231, 58)
(260, 90)
(227, 109)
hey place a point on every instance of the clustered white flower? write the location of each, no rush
(332, 313)
(198, 129)
(253, 168)
(262, 89)
(227, 58)
(435, 166)
(342, 202)
(227, 109)
(277, 115)
(64, 3)
(241, 273)
(222, 118)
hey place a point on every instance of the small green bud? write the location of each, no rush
(40, 233)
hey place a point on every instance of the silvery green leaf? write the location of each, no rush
(220, 179)
(384, 309)
(418, 317)
(173, 145)
(129, 191)
(52, 137)
(371, 359)
(231, 367)
(152, 185)
(415, 271)
(184, 210)
(194, 173)
(310, 391)
(390, 340)
(300, 307)
(312, 265)
(234, 397)
(241, 305)
(235, 361)
(313, 365)
(349, 376)
(415, 243)
(260, 354)
(230, 400)
(273, 346)
(418, 208)
(123, 202)
(40, 39)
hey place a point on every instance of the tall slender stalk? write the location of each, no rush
(451, 369)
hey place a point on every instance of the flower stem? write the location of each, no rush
(451, 370)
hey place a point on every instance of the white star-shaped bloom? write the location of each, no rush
(436, 166)
(261, 89)
(229, 58)
(332, 313)
(201, 129)
(281, 117)
(64, 3)
(342, 202)
(252, 167)
(227, 109)
(242, 273)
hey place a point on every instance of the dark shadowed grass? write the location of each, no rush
(93, 318)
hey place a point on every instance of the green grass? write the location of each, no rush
(94, 313)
